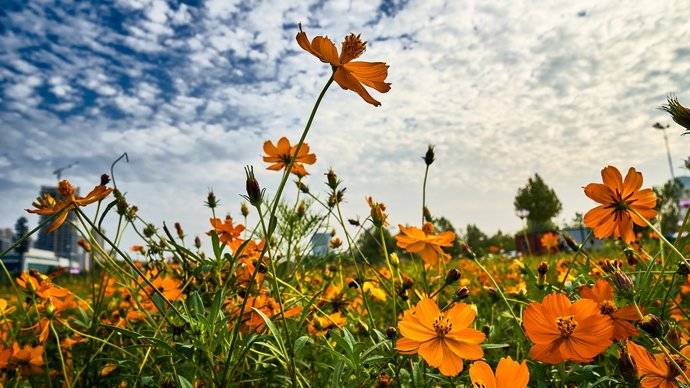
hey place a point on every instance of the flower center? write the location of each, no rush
(607, 307)
(673, 369)
(566, 325)
(442, 325)
(352, 48)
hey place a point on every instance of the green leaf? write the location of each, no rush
(196, 304)
(495, 346)
(184, 383)
(274, 331)
(301, 341)
(217, 247)
(107, 209)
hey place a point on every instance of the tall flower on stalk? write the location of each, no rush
(424, 242)
(349, 74)
(509, 374)
(656, 370)
(443, 339)
(621, 202)
(561, 330)
(623, 317)
(279, 156)
(48, 206)
(228, 233)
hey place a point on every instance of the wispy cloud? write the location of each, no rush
(190, 91)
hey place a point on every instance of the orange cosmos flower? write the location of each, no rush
(619, 200)
(28, 360)
(424, 242)
(443, 339)
(655, 370)
(47, 205)
(509, 374)
(550, 241)
(348, 74)
(560, 330)
(280, 155)
(227, 233)
(602, 293)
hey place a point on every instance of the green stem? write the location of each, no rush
(274, 207)
(426, 173)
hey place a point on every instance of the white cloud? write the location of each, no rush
(503, 90)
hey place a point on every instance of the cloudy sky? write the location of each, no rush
(190, 90)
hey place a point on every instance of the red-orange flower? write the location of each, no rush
(424, 242)
(655, 370)
(509, 374)
(279, 156)
(228, 233)
(47, 205)
(561, 330)
(619, 201)
(550, 241)
(348, 74)
(443, 339)
(602, 293)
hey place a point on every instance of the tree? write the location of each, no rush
(20, 229)
(369, 244)
(540, 203)
(442, 224)
(475, 238)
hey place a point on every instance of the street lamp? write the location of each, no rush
(662, 128)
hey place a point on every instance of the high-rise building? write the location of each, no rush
(6, 238)
(63, 241)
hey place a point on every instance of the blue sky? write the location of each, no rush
(190, 90)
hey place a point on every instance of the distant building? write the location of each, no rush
(63, 241)
(319, 243)
(6, 238)
(40, 260)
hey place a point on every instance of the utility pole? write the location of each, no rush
(662, 128)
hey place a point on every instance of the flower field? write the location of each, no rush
(249, 304)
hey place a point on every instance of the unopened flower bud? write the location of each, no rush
(302, 187)
(353, 222)
(211, 200)
(301, 209)
(395, 260)
(679, 113)
(105, 179)
(632, 256)
(85, 245)
(462, 293)
(149, 230)
(623, 283)
(651, 324)
(391, 333)
(244, 209)
(570, 242)
(178, 229)
(332, 180)
(407, 282)
(626, 366)
(683, 269)
(452, 276)
(542, 269)
(254, 194)
(335, 243)
(384, 380)
(197, 242)
(429, 156)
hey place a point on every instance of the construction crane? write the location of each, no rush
(58, 172)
